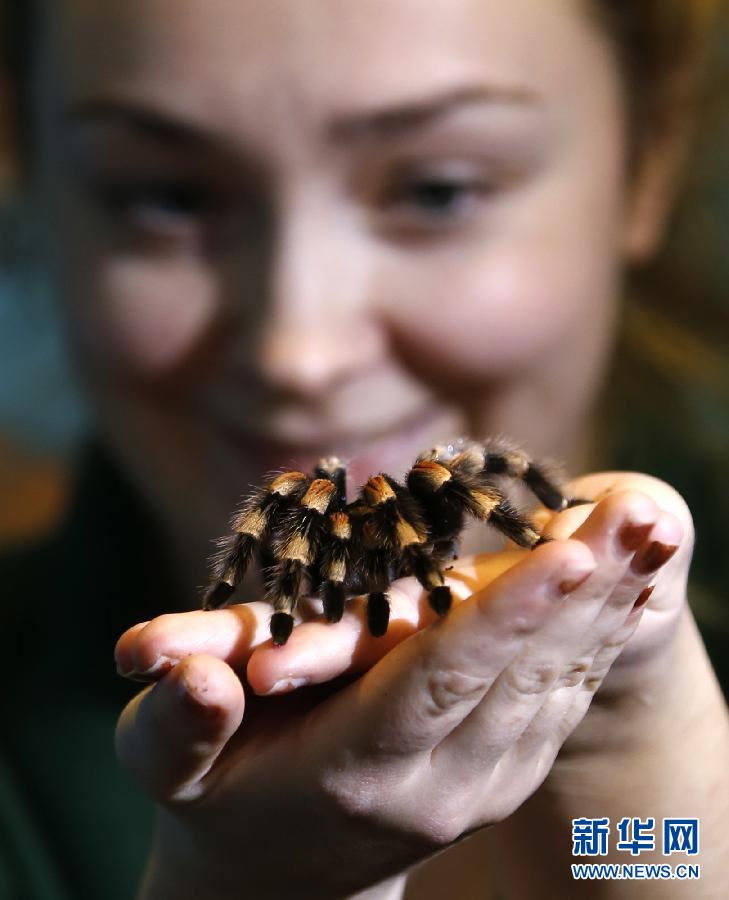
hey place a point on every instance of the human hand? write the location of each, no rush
(643, 673)
(450, 730)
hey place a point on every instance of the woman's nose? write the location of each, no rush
(317, 329)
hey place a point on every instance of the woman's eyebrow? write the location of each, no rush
(409, 115)
(178, 131)
(166, 128)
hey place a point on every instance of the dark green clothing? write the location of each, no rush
(72, 824)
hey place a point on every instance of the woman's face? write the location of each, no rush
(288, 229)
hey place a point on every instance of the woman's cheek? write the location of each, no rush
(143, 321)
(466, 320)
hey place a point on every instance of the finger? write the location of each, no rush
(424, 688)
(530, 758)
(147, 651)
(563, 642)
(656, 553)
(567, 705)
(600, 485)
(675, 528)
(170, 735)
(617, 531)
(318, 651)
(123, 652)
(570, 697)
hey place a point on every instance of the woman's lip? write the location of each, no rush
(354, 449)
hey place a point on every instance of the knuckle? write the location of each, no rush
(614, 642)
(440, 830)
(356, 795)
(359, 789)
(524, 626)
(370, 796)
(525, 680)
(574, 674)
(619, 600)
(602, 664)
(592, 683)
(518, 624)
(446, 689)
(441, 819)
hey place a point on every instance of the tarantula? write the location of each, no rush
(309, 539)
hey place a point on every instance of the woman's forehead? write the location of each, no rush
(211, 53)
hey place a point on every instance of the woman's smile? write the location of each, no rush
(391, 448)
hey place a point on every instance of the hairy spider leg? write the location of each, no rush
(249, 527)
(513, 463)
(296, 548)
(396, 544)
(378, 613)
(334, 564)
(377, 529)
(415, 550)
(374, 575)
(503, 460)
(448, 492)
(445, 501)
(330, 467)
(427, 570)
(478, 497)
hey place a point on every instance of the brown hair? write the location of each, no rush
(660, 44)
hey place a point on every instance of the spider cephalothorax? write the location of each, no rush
(308, 538)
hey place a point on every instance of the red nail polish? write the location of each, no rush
(652, 557)
(643, 597)
(632, 536)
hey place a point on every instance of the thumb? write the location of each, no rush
(170, 735)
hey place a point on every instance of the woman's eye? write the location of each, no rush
(165, 208)
(439, 196)
(434, 201)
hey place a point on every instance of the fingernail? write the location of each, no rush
(571, 584)
(192, 701)
(133, 675)
(125, 673)
(643, 597)
(632, 536)
(287, 684)
(153, 673)
(652, 557)
(163, 665)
